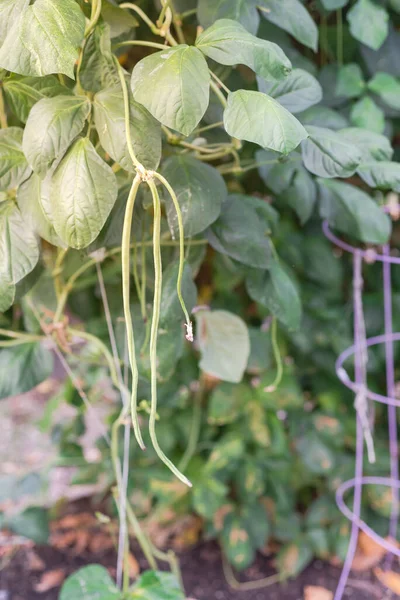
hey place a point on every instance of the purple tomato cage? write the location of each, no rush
(360, 388)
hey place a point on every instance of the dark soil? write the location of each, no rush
(202, 573)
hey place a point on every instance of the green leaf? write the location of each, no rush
(155, 585)
(352, 211)
(98, 69)
(294, 18)
(119, 20)
(293, 558)
(387, 87)
(45, 39)
(174, 86)
(322, 116)
(350, 82)
(224, 344)
(383, 175)
(31, 198)
(22, 93)
(52, 125)
(369, 23)
(367, 115)
(230, 234)
(224, 404)
(250, 485)
(334, 4)
(228, 43)
(83, 192)
(90, 583)
(326, 154)
(236, 542)
(171, 309)
(109, 116)
(209, 495)
(19, 252)
(301, 195)
(297, 92)
(255, 516)
(317, 456)
(243, 11)
(372, 146)
(258, 118)
(10, 11)
(23, 367)
(275, 290)
(32, 523)
(200, 190)
(13, 165)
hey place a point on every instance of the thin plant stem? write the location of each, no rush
(189, 329)
(20, 341)
(142, 539)
(125, 95)
(218, 93)
(339, 38)
(94, 17)
(144, 275)
(141, 43)
(153, 27)
(208, 127)
(195, 427)
(277, 356)
(248, 585)
(154, 334)
(3, 114)
(125, 259)
(219, 82)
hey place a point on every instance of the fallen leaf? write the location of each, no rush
(369, 547)
(315, 592)
(50, 580)
(133, 566)
(389, 579)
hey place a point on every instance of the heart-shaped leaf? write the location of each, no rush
(13, 165)
(327, 154)
(297, 92)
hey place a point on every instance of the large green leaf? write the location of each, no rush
(98, 69)
(23, 367)
(171, 309)
(384, 175)
(90, 583)
(209, 495)
(83, 193)
(45, 39)
(200, 190)
(154, 585)
(109, 115)
(52, 125)
(275, 290)
(19, 252)
(10, 11)
(387, 87)
(119, 20)
(224, 344)
(230, 234)
(297, 92)
(294, 18)
(366, 114)
(350, 82)
(174, 86)
(326, 154)
(32, 523)
(352, 211)
(322, 116)
(243, 11)
(228, 43)
(22, 93)
(13, 165)
(258, 118)
(369, 23)
(373, 146)
(33, 198)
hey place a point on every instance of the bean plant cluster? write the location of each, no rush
(165, 167)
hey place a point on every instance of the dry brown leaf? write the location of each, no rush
(50, 580)
(35, 563)
(389, 579)
(133, 566)
(369, 547)
(315, 592)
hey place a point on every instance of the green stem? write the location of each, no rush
(219, 82)
(153, 27)
(278, 358)
(154, 333)
(194, 428)
(94, 17)
(125, 259)
(189, 333)
(142, 539)
(339, 39)
(248, 585)
(3, 114)
(125, 95)
(218, 93)
(141, 43)
(208, 127)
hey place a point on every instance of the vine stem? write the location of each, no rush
(125, 259)
(189, 327)
(278, 358)
(141, 43)
(154, 333)
(248, 585)
(94, 17)
(194, 428)
(153, 27)
(218, 93)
